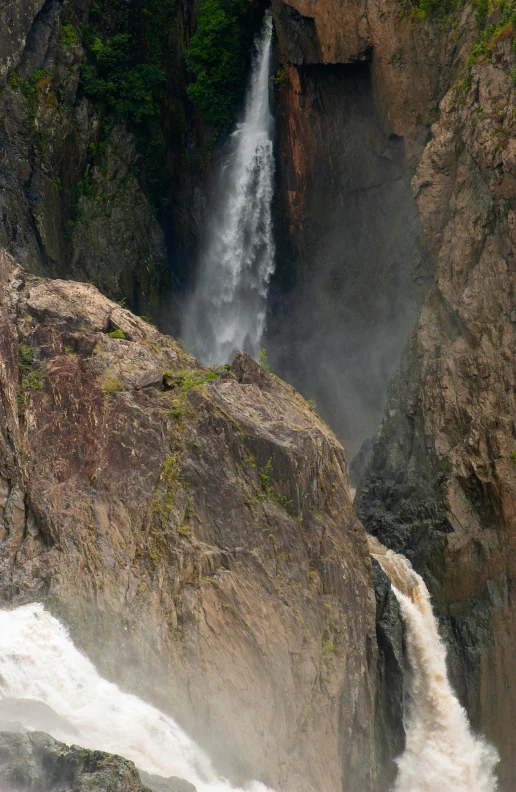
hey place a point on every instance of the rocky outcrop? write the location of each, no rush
(190, 521)
(34, 760)
(440, 485)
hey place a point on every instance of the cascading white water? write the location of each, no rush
(441, 752)
(39, 662)
(227, 309)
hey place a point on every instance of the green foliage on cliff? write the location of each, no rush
(29, 379)
(127, 49)
(443, 9)
(131, 91)
(218, 57)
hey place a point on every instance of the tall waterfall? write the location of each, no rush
(441, 752)
(39, 663)
(227, 309)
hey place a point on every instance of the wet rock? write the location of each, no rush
(198, 541)
(390, 734)
(35, 761)
(159, 784)
(440, 485)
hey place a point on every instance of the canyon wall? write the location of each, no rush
(81, 195)
(200, 522)
(357, 89)
(439, 484)
(194, 530)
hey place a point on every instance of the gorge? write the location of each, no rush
(190, 529)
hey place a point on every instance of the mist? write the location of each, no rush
(343, 299)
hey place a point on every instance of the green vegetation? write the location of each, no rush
(70, 37)
(328, 646)
(218, 57)
(262, 360)
(268, 490)
(312, 404)
(130, 91)
(195, 377)
(280, 79)
(29, 379)
(182, 383)
(118, 333)
(83, 186)
(111, 384)
(127, 49)
(26, 353)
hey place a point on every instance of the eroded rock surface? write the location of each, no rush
(441, 482)
(197, 537)
(35, 761)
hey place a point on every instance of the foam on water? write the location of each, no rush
(441, 751)
(39, 662)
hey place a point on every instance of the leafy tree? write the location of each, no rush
(218, 57)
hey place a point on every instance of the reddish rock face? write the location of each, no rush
(199, 539)
(441, 482)
(440, 485)
(358, 88)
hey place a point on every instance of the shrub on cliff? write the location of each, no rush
(218, 57)
(127, 47)
(131, 92)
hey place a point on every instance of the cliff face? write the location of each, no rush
(194, 529)
(81, 189)
(440, 481)
(359, 86)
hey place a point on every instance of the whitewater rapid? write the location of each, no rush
(441, 752)
(39, 662)
(40, 665)
(227, 309)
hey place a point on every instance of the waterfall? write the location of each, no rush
(441, 751)
(39, 663)
(227, 309)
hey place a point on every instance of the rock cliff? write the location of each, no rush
(83, 185)
(439, 485)
(359, 88)
(440, 481)
(33, 760)
(194, 529)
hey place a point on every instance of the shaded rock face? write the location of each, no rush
(352, 223)
(359, 90)
(73, 193)
(389, 731)
(440, 485)
(35, 761)
(197, 537)
(106, 233)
